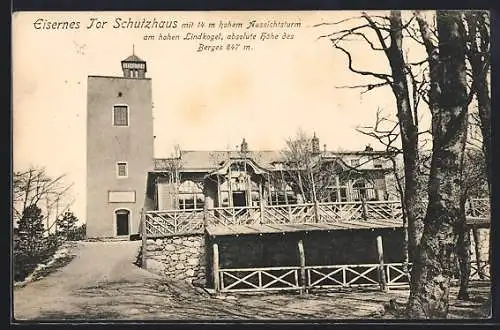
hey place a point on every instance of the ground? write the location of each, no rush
(103, 283)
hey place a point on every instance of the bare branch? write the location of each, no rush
(382, 76)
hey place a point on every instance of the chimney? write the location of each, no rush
(315, 145)
(368, 148)
(244, 146)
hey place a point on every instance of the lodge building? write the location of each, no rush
(124, 178)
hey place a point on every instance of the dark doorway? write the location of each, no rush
(122, 222)
(239, 198)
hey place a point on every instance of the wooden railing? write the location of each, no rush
(479, 207)
(191, 221)
(178, 222)
(479, 270)
(173, 222)
(227, 216)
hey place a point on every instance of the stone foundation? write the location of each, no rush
(180, 258)
(177, 258)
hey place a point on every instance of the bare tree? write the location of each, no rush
(478, 51)
(386, 132)
(173, 167)
(35, 187)
(433, 267)
(298, 158)
(385, 34)
(305, 170)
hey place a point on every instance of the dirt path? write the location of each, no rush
(102, 283)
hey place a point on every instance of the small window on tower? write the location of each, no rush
(122, 169)
(120, 115)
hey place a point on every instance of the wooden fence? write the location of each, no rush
(310, 277)
(296, 278)
(479, 207)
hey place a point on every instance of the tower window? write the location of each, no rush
(122, 169)
(120, 115)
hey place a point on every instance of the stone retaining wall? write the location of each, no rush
(182, 258)
(177, 257)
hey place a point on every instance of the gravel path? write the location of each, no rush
(102, 283)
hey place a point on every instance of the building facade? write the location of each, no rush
(119, 149)
(198, 179)
(123, 177)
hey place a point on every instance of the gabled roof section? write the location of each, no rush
(265, 160)
(250, 162)
(210, 160)
(133, 58)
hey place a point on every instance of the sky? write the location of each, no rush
(202, 100)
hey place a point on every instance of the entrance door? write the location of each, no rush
(122, 222)
(239, 198)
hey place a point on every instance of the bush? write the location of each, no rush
(30, 246)
(25, 262)
(78, 234)
(67, 229)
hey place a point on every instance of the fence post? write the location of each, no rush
(215, 267)
(144, 240)
(380, 252)
(205, 214)
(364, 208)
(262, 215)
(302, 260)
(316, 215)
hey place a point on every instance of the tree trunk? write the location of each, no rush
(478, 234)
(480, 64)
(463, 252)
(409, 133)
(433, 267)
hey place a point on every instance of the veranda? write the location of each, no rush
(300, 247)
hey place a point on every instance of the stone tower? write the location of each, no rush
(119, 149)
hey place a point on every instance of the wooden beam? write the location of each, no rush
(144, 240)
(218, 191)
(302, 261)
(380, 252)
(205, 213)
(215, 267)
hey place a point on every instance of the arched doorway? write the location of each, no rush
(122, 217)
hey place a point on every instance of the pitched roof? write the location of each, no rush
(213, 159)
(133, 58)
(209, 160)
